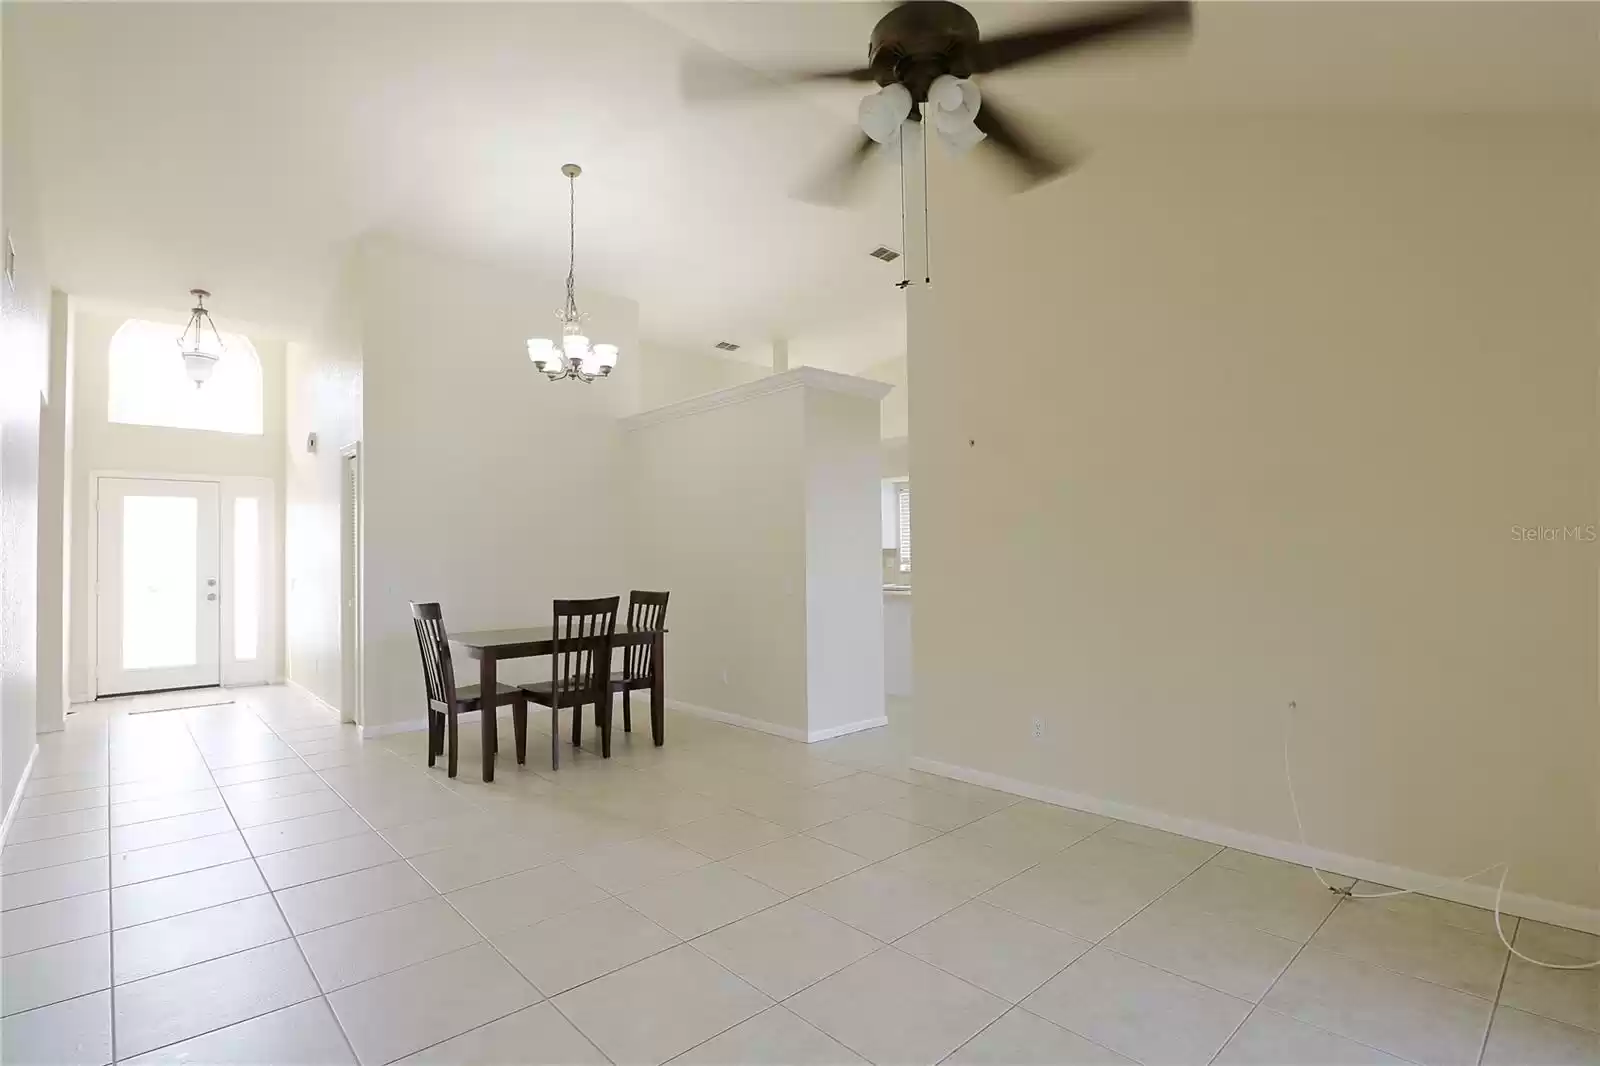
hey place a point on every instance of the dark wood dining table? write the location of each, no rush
(490, 646)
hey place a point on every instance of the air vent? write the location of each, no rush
(888, 255)
(727, 346)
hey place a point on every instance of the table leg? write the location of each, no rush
(487, 711)
(658, 690)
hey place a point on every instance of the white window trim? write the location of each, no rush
(239, 350)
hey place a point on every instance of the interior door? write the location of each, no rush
(158, 585)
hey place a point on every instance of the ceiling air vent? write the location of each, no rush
(888, 255)
(727, 346)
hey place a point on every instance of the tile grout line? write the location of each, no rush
(689, 942)
(444, 899)
(1494, 1007)
(1268, 991)
(495, 948)
(326, 1003)
(281, 916)
(111, 914)
(942, 833)
(681, 941)
(1100, 942)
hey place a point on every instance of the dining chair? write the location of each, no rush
(445, 698)
(646, 610)
(580, 672)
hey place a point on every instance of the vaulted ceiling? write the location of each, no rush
(246, 144)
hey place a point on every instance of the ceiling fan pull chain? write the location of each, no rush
(905, 260)
(927, 238)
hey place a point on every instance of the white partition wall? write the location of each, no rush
(757, 507)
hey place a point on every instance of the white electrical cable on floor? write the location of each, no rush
(1499, 892)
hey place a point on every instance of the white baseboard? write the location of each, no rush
(846, 729)
(16, 797)
(1554, 912)
(785, 731)
(296, 686)
(417, 725)
(414, 725)
(727, 718)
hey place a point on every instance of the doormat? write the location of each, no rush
(181, 701)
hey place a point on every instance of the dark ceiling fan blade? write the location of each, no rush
(833, 185)
(1033, 163)
(707, 76)
(1103, 27)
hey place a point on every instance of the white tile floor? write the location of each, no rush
(253, 884)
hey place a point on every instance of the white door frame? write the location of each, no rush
(264, 668)
(351, 576)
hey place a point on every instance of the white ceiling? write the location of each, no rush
(243, 145)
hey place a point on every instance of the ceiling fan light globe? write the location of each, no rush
(960, 138)
(971, 98)
(945, 92)
(882, 112)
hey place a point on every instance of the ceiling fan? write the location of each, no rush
(922, 55)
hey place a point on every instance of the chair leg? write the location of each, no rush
(555, 734)
(627, 711)
(602, 706)
(433, 735)
(455, 745)
(577, 724)
(519, 725)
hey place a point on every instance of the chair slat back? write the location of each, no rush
(581, 643)
(437, 672)
(646, 610)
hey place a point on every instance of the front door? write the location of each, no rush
(158, 585)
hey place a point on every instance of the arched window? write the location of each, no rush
(148, 385)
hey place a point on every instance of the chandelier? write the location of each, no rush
(574, 357)
(200, 350)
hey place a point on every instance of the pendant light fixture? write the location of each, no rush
(573, 356)
(200, 342)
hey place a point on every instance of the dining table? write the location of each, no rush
(493, 646)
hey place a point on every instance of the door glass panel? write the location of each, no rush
(246, 577)
(160, 593)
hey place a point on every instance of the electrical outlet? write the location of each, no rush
(1038, 729)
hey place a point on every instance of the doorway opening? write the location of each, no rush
(350, 709)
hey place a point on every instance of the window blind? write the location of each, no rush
(904, 502)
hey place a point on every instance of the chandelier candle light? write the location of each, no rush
(575, 357)
(200, 350)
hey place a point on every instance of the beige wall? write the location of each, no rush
(757, 507)
(323, 396)
(54, 578)
(717, 515)
(844, 538)
(100, 445)
(1280, 392)
(667, 374)
(896, 414)
(485, 487)
(24, 344)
